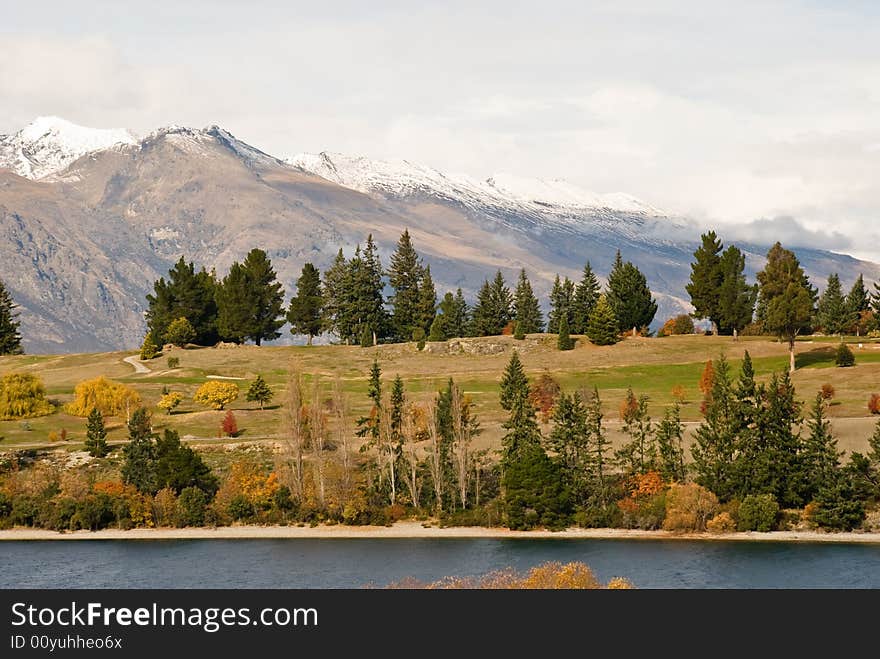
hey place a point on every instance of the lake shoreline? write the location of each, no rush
(415, 530)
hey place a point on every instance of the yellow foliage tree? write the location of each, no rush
(216, 394)
(169, 401)
(22, 396)
(689, 507)
(108, 397)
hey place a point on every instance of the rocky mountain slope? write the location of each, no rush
(85, 231)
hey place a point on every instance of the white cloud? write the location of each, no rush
(725, 111)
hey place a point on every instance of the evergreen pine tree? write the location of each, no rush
(366, 337)
(514, 382)
(404, 275)
(602, 328)
(363, 308)
(716, 438)
(819, 457)
(585, 297)
(398, 402)
(785, 297)
(374, 308)
(369, 424)
(736, 299)
(96, 435)
(493, 309)
(426, 307)
(706, 278)
(234, 307)
(561, 304)
(518, 333)
(629, 296)
(259, 392)
(670, 432)
(267, 297)
(10, 337)
(598, 447)
(187, 294)
(333, 290)
(304, 314)
(526, 309)
(569, 441)
(460, 316)
(858, 299)
(445, 324)
(875, 299)
(139, 455)
(776, 467)
(533, 492)
(438, 327)
(832, 312)
(564, 340)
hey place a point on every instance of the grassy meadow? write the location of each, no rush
(651, 366)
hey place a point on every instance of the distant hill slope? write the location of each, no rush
(83, 237)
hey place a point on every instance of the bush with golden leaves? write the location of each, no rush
(721, 523)
(216, 394)
(170, 401)
(108, 397)
(23, 396)
(689, 507)
(164, 507)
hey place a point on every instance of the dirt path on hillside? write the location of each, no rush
(135, 361)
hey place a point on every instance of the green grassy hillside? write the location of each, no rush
(651, 366)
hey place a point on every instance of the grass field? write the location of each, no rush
(651, 366)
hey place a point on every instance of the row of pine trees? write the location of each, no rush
(349, 301)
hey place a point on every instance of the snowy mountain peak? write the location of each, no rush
(49, 144)
(203, 141)
(403, 178)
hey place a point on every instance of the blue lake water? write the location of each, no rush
(357, 563)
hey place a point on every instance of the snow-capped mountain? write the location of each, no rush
(83, 238)
(49, 144)
(534, 196)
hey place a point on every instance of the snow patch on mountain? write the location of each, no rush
(203, 142)
(404, 178)
(49, 144)
(542, 202)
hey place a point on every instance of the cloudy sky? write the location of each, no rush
(761, 118)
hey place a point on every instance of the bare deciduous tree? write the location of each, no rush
(317, 439)
(343, 440)
(410, 432)
(461, 444)
(435, 454)
(294, 432)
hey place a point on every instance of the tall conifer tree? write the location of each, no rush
(10, 337)
(706, 276)
(585, 297)
(404, 275)
(629, 296)
(304, 314)
(526, 309)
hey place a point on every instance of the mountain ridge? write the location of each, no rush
(83, 244)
